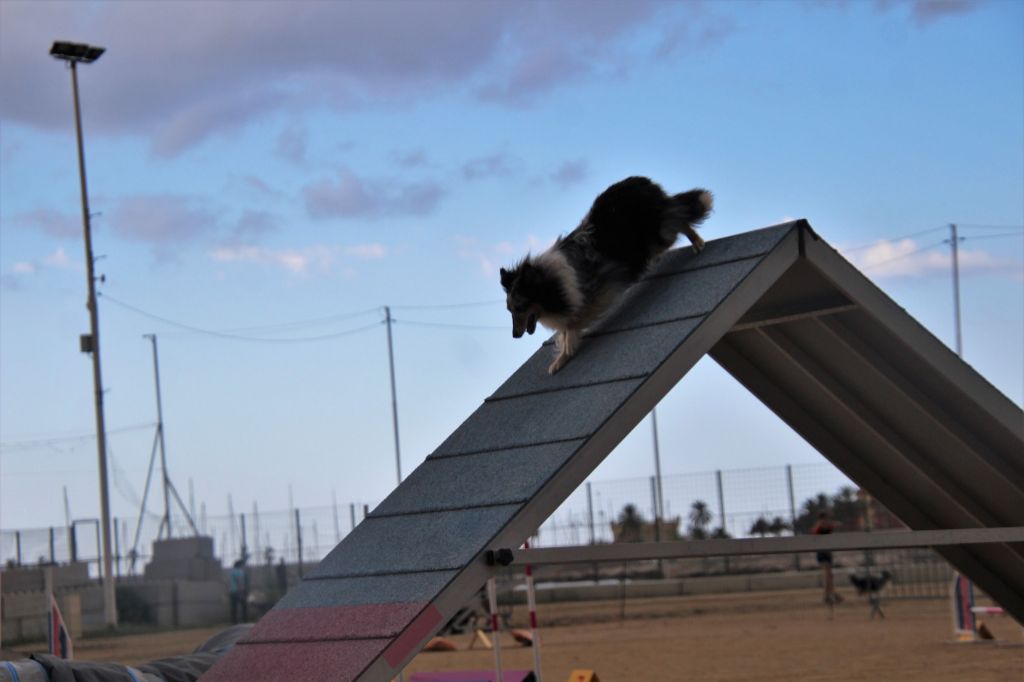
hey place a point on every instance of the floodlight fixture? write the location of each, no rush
(76, 52)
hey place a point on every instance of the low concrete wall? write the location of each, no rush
(33, 578)
(180, 603)
(24, 613)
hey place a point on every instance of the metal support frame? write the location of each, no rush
(638, 551)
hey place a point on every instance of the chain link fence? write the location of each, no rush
(780, 500)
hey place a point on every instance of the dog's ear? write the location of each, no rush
(506, 279)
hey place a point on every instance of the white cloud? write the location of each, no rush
(925, 12)
(316, 259)
(224, 64)
(298, 261)
(570, 173)
(908, 258)
(498, 164)
(21, 270)
(161, 219)
(412, 158)
(350, 196)
(370, 251)
(58, 259)
(292, 144)
(52, 222)
(491, 257)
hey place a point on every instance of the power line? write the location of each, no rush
(311, 322)
(32, 443)
(868, 266)
(230, 334)
(242, 337)
(893, 239)
(448, 306)
(978, 226)
(446, 325)
(993, 236)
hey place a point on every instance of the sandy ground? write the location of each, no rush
(757, 637)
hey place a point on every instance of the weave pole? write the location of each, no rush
(492, 598)
(531, 603)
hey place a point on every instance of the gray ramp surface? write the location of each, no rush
(784, 314)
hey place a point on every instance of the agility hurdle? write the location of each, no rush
(964, 622)
(966, 626)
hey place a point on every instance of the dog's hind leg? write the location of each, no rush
(567, 341)
(695, 239)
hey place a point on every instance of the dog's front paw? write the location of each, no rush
(698, 245)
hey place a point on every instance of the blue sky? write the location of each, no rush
(279, 171)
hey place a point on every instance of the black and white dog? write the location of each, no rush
(574, 282)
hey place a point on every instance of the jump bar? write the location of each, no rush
(636, 551)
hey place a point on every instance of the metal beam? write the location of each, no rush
(638, 551)
(800, 310)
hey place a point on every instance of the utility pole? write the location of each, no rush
(394, 398)
(73, 53)
(166, 521)
(398, 451)
(954, 242)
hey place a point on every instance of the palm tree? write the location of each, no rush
(810, 510)
(761, 527)
(778, 526)
(700, 518)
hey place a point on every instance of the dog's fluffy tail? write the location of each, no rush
(684, 213)
(691, 208)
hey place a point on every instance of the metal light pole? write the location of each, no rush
(73, 53)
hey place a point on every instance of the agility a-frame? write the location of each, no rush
(781, 311)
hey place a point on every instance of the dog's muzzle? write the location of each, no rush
(523, 323)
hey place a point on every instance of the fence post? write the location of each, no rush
(721, 510)
(117, 550)
(337, 526)
(657, 521)
(53, 558)
(590, 513)
(256, 533)
(590, 520)
(244, 548)
(73, 540)
(792, 510)
(298, 540)
(17, 546)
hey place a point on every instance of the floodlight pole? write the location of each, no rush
(109, 591)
